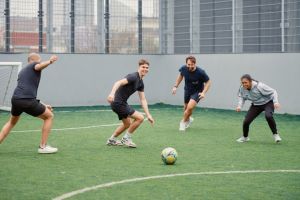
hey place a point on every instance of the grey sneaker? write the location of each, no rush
(113, 142)
(128, 142)
(47, 149)
(277, 138)
(243, 139)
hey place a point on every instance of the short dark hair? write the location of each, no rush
(143, 62)
(192, 58)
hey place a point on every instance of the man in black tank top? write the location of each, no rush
(118, 97)
(24, 100)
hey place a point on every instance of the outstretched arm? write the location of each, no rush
(44, 64)
(145, 107)
(177, 83)
(116, 86)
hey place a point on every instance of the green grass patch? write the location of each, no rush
(84, 160)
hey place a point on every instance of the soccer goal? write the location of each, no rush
(8, 81)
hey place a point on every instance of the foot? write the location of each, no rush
(277, 138)
(128, 142)
(113, 142)
(47, 149)
(243, 139)
(189, 122)
(182, 126)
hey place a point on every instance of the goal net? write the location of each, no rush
(8, 82)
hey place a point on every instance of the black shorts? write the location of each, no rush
(32, 107)
(123, 110)
(188, 96)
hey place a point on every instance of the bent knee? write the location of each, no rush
(126, 125)
(268, 116)
(140, 118)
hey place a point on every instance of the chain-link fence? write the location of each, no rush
(230, 26)
(72, 26)
(150, 26)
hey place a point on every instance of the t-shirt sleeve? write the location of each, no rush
(33, 65)
(182, 70)
(131, 78)
(141, 88)
(205, 77)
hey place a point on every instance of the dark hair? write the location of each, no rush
(247, 76)
(143, 62)
(192, 58)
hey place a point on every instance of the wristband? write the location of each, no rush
(175, 86)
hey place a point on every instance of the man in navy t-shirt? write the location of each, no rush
(24, 100)
(118, 97)
(196, 85)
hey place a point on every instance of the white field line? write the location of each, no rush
(71, 128)
(87, 189)
(71, 111)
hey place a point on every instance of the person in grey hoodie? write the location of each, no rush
(263, 98)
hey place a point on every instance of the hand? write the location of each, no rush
(238, 109)
(49, 107)
(110, 98)
(276, 106)
(201, 95)
(53, 58)
(150, 119)
(174, 90)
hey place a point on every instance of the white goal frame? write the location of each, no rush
(12, 64)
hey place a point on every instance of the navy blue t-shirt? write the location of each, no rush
(194, 81)
(28, 83)
(135, 83)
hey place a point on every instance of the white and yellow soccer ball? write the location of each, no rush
(169, 155)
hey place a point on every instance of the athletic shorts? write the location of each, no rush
(32, 107)
(188, 96)
(123, 110)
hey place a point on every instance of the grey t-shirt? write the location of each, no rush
(135, 83)
(28, 83)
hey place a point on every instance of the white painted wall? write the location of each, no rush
(86, 79)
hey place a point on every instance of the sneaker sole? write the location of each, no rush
(114, 144)
(47, 152)
(129, 146)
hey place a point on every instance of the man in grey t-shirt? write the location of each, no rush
(24, 100)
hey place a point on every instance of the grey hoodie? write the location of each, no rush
(259, 94)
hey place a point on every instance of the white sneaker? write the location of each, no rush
(128, 142)
(47, 149)
(113, 142)
(243, 139)
(189, 123)
(182, 126)
(277, 138)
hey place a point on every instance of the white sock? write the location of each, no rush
(113, 137)
(128, 135)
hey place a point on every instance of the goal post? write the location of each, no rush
(8, 81)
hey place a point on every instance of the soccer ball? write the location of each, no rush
(169, 156)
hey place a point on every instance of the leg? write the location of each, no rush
(252, 113)
(8, 126)
(122, 127)
(189, 110)
(47, 116)
(138, 120)
(269, 111)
